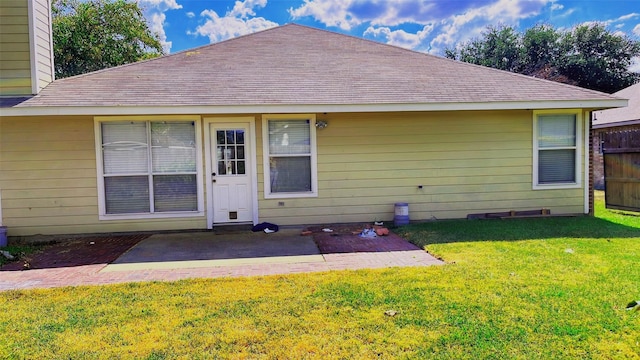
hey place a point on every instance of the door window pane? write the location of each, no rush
(230, 148)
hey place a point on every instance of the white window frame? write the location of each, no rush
(265, 152)
(577, 148)
(102, 208)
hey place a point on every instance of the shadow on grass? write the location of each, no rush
(449, 231)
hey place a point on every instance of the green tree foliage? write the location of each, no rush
(588, 55)
(498, 49)
(598, 59)
(97, 34)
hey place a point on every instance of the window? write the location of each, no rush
(148, 167)
(289, 152)
(557, 150)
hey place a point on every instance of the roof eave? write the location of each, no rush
(616, 124)
(310, 108)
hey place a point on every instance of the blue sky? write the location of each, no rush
(428, 25)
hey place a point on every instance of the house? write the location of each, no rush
(291, 125)
(26, 57)
(612, 121)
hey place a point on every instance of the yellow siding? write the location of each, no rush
(48, 180)
(15, 65)
(467, 162)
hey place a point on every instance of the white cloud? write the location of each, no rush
(627, 17)
(331, 13)
(190, 14)
(460, 28)
(400, 37)
(555, 6)
(236, 22)
(154, 11)
(439, 26)
(636, 30)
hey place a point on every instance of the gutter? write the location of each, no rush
(33, 110)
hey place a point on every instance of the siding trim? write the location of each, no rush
(102, 215)
(578, 148)
(0, 207)
(52, 60)
(209, 157)
(26, 110)
(32, 46)
(586, 120)
(313, 156)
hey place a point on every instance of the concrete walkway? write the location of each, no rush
(170, 257)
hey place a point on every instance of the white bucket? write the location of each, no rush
(401, 216)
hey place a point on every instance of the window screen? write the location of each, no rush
(556, 149)
(149, 167)
(290, 156)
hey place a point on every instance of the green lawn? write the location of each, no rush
(512, 289)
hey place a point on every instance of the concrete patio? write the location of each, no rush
(176, 256)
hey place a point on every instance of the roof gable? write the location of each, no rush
(294, 65)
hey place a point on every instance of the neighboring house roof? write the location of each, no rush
(294, 68)
(629, 115)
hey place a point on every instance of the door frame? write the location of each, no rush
(252, 169)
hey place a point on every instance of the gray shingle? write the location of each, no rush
(621, 116)
(298, 65)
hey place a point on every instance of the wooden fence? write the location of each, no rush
(621, 151)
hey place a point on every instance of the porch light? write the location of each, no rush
(321, 124)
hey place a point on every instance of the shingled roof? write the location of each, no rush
(294, 68)
(629, 115)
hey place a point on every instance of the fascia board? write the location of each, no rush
(307, 108)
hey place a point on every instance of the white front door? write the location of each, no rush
(231, 165)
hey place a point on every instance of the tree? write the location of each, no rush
(587, 56)
(598, 59)
(97, 34)
(499, 48)
(541, 47)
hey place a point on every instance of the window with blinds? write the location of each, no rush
(557, 149)
(290, 154)
(149, 167)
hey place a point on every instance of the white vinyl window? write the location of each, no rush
(557, 151)
(289, 156)
(148, 167)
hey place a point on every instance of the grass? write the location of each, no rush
(519, 289)
(19, 252)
